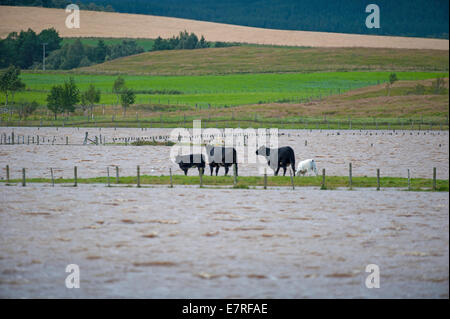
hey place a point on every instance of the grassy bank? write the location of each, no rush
(332, 182)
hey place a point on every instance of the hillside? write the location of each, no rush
(106, 24)
(247, 59)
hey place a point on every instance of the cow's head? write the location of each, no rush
(263, 151)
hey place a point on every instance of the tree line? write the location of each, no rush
(57, 4)
(184, 41)
(25, 50)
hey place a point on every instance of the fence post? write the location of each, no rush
(409, 180)
(170, 173)
(434, 178)
(23, 178)
(235, 174)
(75, 176)
(323, 179)
(107, 172)
(53, 178)
(378, 179)
(292, 178)
(200, 173)
(350, 175)
(138, 176)
(7, 174)
(265, 178)
(117, 174)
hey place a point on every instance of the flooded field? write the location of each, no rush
(392, 152)
(188, 242)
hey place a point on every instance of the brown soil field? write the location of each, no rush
(119, 25)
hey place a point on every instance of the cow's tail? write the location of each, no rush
(293, 162)
(235, 161)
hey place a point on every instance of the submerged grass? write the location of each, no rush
(245, 182)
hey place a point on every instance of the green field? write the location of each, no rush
(218, 90)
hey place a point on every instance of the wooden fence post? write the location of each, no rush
(23, 178)
(107, 172)
(350, 175)
(117, 174)
(323, 179)
(409, 180)
(138, 176)
(378, 179)
(53, 178)
(170, 172)
(75, 176)
(292, 178)
(235, 174)
(265, 178)
(434, 178)
(7, 174)
(200, 173)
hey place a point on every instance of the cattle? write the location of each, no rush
(193, 160)
(221, 156)
(306, 166)
(276, 158)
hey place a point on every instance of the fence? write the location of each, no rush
(323, 183)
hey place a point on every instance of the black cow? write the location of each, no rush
(193, 160)
(276, 158)
(221, 156)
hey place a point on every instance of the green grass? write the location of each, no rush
(217, 90)
(245, 182)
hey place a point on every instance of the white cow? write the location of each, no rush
(306, 166)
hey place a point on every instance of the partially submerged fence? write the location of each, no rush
(75, 180)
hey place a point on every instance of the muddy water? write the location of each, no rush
(176, 243)
(392, 152)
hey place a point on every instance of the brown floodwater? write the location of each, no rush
(188, 242)
(392, 152)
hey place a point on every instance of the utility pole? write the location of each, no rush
(43, 56)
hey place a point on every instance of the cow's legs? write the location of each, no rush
(217, 169)
(284, 170)
(211, 168)
(226, 170)
(185, 171)
(276, 172)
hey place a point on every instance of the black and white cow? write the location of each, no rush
(221, 156)
(187, 161)
(276, 158)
